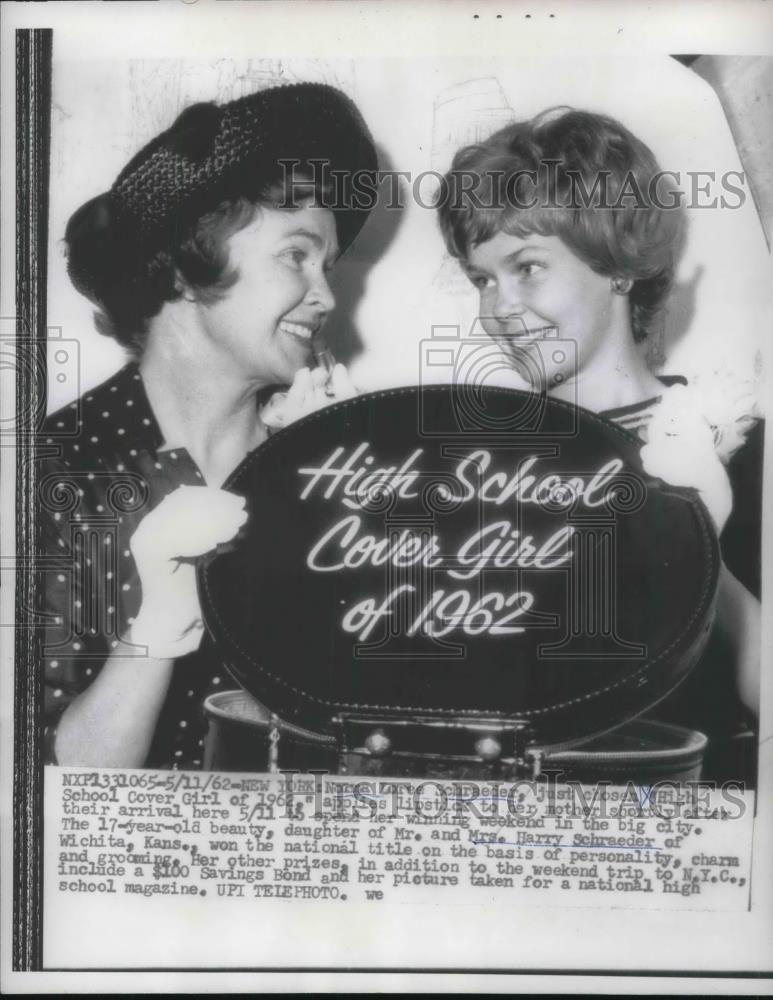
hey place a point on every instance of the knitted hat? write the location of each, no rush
(214, 152)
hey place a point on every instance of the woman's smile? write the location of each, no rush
(303, 331)
(300, 334)
(525, 333)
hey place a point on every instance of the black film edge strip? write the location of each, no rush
(33, 114)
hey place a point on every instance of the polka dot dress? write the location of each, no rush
(105, 471)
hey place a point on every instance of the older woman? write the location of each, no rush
(569, 231)
(208, 260)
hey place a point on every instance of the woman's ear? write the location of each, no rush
(182, 289)
(621, 286)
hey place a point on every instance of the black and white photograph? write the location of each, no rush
(384, 433)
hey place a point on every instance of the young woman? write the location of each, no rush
(569, 231)
(208, 260)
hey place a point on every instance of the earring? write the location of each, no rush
(622, 286)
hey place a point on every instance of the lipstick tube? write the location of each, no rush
(325, 359)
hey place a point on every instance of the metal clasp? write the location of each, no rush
(528, 761)
(274, 737)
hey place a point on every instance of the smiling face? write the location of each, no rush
(553, 316)
(263, 326)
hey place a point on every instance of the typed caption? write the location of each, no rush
(113, 834)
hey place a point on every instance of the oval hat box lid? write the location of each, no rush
(443, 553)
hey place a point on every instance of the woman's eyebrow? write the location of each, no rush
(315, 238)
(529, 247)
(510, 258)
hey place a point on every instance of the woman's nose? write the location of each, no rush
(507, 302)
(320, 293)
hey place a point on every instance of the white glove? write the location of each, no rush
(680, 450)
(186, 524)
(310, 391)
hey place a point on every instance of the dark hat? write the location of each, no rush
(213, 152)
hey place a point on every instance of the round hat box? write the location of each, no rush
(456, 582)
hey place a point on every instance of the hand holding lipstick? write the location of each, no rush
(310, 391)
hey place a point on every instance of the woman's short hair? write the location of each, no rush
(165, 222)
(129, 287)
(582, 177)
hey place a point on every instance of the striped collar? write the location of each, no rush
(636, 416)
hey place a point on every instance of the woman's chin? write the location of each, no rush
(285, 368)
(532, 374)
(295, 357)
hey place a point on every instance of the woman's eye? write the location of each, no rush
(479, 281)
(529, 268)
(295, 255)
